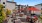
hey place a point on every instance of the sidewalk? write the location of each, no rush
(10, 20)
(24, 22)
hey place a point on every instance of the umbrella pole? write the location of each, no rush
(33, 12)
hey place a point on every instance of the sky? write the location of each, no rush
(27, 2)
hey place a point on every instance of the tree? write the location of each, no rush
(15, 10)
(8, 11)
(2, 13)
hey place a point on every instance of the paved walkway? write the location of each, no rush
(40, 20)
(10, 20)
(29, 22)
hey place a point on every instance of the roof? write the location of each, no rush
(18, 5)
(30, 6)
(38, 4)
(11, 2)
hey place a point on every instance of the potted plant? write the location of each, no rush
(41, 16)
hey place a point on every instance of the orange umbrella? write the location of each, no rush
(33, 9)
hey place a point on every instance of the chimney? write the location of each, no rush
(12, 0)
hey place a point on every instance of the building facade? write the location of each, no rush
(11, 5)
(8, 4)
(18, 7)
(39, 6)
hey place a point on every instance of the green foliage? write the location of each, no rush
(1, 19)
(8, 12)
(41, 16)
(1, 6)
(2, 16)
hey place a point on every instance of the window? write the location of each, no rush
(3, 2)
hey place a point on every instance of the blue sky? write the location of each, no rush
(29, 2)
